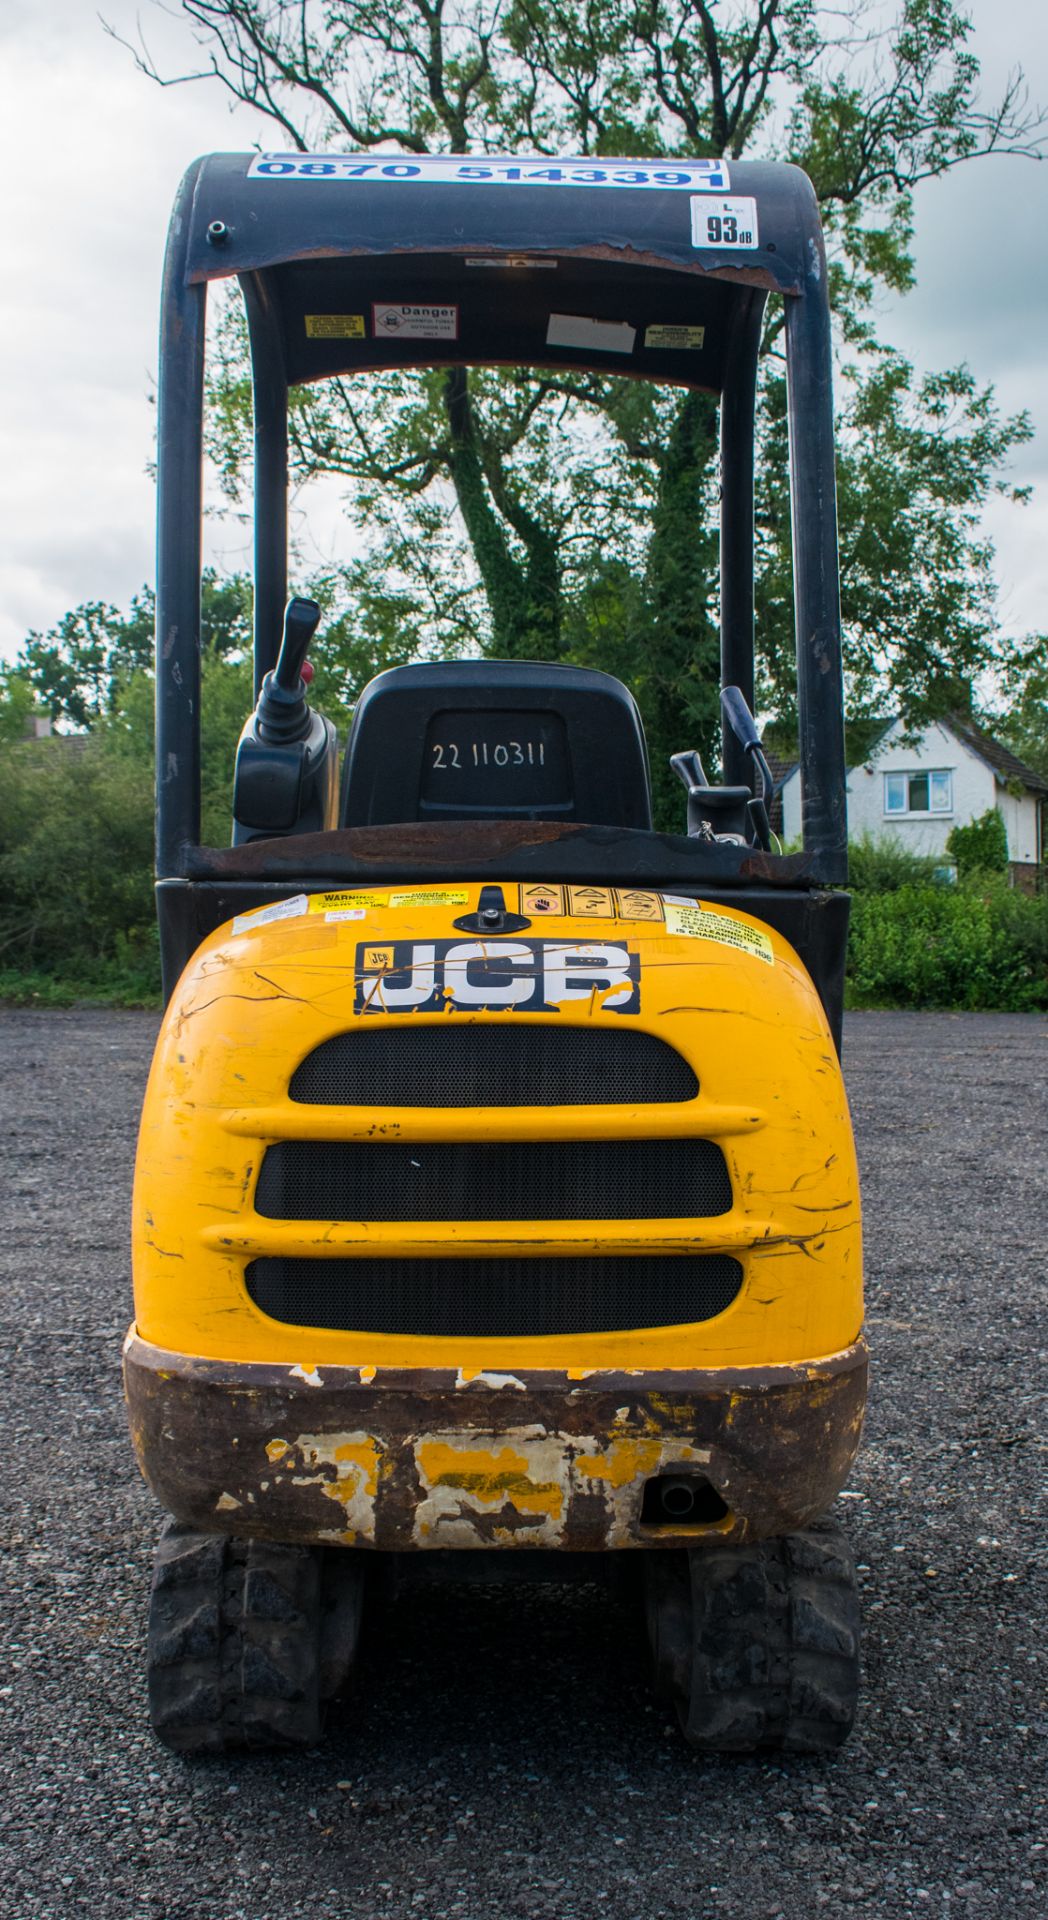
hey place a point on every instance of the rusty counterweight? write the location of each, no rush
(396, 1459)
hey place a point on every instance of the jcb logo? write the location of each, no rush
(492, 976)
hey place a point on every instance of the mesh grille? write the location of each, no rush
(529, 1065)
(492, 1298)
(493, 1180)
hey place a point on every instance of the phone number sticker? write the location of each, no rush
(440, 169)
(725, 223)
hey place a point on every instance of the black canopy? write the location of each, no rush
(621, 266)
(658, 269)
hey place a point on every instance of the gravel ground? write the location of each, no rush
(502, 1756)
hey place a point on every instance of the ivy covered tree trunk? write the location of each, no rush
(524, 595)
(677, 681)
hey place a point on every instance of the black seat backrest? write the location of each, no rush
(496, 740)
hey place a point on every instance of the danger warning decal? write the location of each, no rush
(489, 976)
(414, 322)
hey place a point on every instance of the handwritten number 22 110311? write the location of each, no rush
(483, 753)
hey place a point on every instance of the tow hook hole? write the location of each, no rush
(680, 1500)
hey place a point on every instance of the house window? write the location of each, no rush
(930, 792)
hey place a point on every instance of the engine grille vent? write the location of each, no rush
(493, 1180)
(514, 1297)
(527, 1065)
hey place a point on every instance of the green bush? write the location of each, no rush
(127, 979)
(970, 946)
(76, 843)
(77, 918)
(884, 864)
(981, 846)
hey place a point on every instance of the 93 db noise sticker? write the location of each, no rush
(506, 976)
(725, 224)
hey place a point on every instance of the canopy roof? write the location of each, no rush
(383, 260)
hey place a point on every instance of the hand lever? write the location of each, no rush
(739, 718)
(283, 712)
(688, 769)
(744, 727)
(301, 620)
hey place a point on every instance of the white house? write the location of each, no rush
(917, 789)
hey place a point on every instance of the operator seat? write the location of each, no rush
(496, 740)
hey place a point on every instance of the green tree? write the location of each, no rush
(981, 846)
(75, 668)
(1022, 721)
(17, 702)
(78, 669)
(546, 486)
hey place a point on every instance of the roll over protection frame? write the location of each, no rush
(632, 258)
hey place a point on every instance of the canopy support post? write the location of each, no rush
(816, 590)
(180, 444)
(738, 401)
(269, 405)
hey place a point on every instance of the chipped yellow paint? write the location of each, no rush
(345, 1467)
(276, 1449)
(247, 1009)
(463, 1504)
(624, 1460)
(488, 1476)
(367, 1374)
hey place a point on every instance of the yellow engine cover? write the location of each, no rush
(719, 987)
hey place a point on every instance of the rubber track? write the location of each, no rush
(233, 1644)
(775, 1647)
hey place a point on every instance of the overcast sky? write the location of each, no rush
(92, 155)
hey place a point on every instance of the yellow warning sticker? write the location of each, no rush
(539, 898)
(635, 903)
(701, 923)
(347, 903)
(591, 903)
(335, 326)
(378, 959)
(679, 337)
(431, 897)
(353, 905)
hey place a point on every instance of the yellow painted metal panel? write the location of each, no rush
(255, 1001)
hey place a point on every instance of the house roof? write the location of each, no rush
(991, 751)
(1003, 762)
(1001, 759)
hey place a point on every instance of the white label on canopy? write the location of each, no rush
(415, 323)
(725, 223)
(265, 916)
(492, 170)
(509, 260)
(598, 336)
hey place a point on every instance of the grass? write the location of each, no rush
(98, 986)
